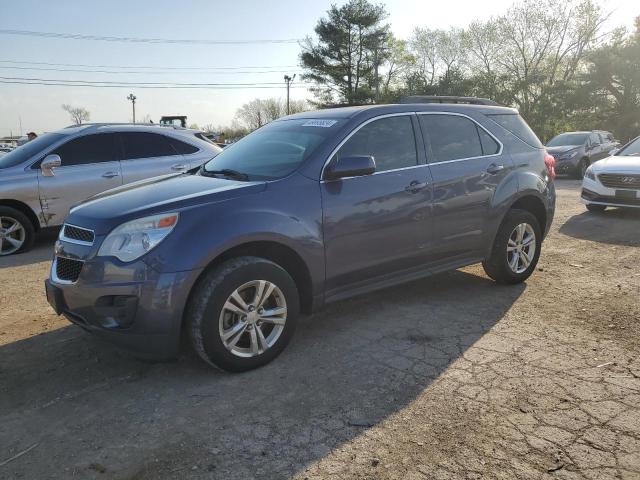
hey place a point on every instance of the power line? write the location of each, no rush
(108, 82)
(121, 72)
(60, 83)
(77, 36)
(21, 62)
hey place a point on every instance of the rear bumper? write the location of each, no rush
(133, 306)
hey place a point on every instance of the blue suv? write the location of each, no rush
(309, 209)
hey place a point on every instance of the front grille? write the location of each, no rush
(611, 180)
(77, 233)
(68, 270)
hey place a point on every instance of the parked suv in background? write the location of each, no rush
(575, 151)
(309, 209)
(42, 179)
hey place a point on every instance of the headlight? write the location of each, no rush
(590, 175)
(133, 239)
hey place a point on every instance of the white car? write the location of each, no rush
(614, 181)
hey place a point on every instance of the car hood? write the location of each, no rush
(619, 164)
(561, 149)
(107, 210)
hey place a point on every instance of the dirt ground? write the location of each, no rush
(449, 377)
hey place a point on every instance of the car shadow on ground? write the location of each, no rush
(618, 226)
(42, 251)
(347, 369)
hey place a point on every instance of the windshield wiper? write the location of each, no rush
(226, 172)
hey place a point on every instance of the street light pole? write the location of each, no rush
(288, 81)
(132, 97)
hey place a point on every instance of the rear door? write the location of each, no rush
(467, 164)
(90, 165)
(380, 224)
(148, 154)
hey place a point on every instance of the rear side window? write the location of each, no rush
(88, 149)
(452, 137)
(516, 125)
(146, 145)
(182, 148)
(390, 141)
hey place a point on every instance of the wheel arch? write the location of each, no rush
(23, 208)
(533, 204)
(277, 252)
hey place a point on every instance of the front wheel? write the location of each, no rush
(581, 169)
(16, 231)
(243, 314)
(516, 248)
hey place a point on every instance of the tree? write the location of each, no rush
(343, 63)
(613, 78)
(77, 114)
(259, 112)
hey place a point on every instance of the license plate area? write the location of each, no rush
(627, 194)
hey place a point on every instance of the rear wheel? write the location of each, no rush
(594, 207)
(16, 231)
(243, 314)
(516, 248)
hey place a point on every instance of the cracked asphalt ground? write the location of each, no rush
(449, 377)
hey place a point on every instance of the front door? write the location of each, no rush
(147, 155)
(380, 224)
(467, 164)
(90, 165)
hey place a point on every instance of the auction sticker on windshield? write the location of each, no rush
(319, 123)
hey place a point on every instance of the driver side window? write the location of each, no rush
(390, 141)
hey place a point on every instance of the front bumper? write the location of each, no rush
(130, 305)
(568, 166)
(593, 192)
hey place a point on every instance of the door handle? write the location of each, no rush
(110, 174)
(494, 168)
(179, 167)
(415, 187)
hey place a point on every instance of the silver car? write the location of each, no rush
(41, 180)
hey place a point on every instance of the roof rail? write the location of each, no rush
(144, 124)
(447, 99)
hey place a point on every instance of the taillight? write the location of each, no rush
(550, 163)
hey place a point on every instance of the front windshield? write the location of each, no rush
(568, 139)
(28, 150)
(275, 150)
(631, 150)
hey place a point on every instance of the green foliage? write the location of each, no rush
(351, 43)
(546, 58)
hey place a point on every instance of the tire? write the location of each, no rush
(208, 314)
(581, 168)
(25, 233)
(497, 265)
(594, 207)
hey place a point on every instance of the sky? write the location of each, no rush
(25, 108)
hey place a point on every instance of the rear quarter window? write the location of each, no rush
(515, 124)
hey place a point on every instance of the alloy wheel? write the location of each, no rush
(12, 235)
(521, 247)
(253, 318)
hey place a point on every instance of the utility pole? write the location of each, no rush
(132, 97)
(288, 81)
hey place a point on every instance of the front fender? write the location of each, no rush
(288, 213)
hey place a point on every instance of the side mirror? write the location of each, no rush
(351, 166)
(49, 163)
(613, 151)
